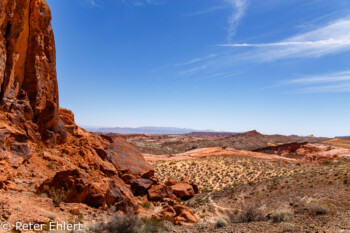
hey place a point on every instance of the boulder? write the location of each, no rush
(108, 169)
(177, 214)
(184, 212)
(74, 186)
(74, 211)
(127, 178)
(148, 174)
(67, 116)
(159, 193)
(140, 186)
(171, 182)
(125, 156)
(183, 190)
(22, 150)
(167, 213)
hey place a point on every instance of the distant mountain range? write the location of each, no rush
(343, 137)
(145, 130)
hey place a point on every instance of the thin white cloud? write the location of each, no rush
(329, 42)
(330, 39)
(193, 70)
(143, 2)
(328, 78)
(336, 88)
(239, 9)
(95, 3)
(326, 83)
(196, 60)
(221, 75)
(206, 11)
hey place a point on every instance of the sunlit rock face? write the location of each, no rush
(28, 77)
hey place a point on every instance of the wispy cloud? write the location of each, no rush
(196, 60)
(330, 39)
(193, 61)
(220, 75)
(239, 9)
(206, 11)
(143, 2)
(327, 78)
(332, 82)
(95, 3)
(337, 88)
(195, 69)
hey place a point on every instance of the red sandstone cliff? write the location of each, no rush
(28, 66)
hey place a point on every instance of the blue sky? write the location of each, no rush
(276, 66)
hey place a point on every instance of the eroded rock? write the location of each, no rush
(28, 77)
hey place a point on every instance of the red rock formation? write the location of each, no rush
(28, 66)
(125, 156)
(76, 187)
(177, 214)
(184, 189)
(160, 193)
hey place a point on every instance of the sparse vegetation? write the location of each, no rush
(57, 195)
(281, 216)
(249, 213)
(119, 224)
(319, 209)
(147, 205)
(220, 222)
(131, 223)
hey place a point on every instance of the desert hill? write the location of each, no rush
(143, 130)
(173, 144)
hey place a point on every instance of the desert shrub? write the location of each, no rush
(57, 195)
(119, 224)
(319, 209)
(130, 223)
(282, 216)
(147, 204)
(287, 227)
(249, 213)
(168, 226)
(150, 225)
(220, 222)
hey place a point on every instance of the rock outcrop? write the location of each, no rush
(184, 189)
(177, 214)
(28, 67)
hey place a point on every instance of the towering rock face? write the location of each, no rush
(28, 80)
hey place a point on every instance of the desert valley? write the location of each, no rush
(54, 172)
